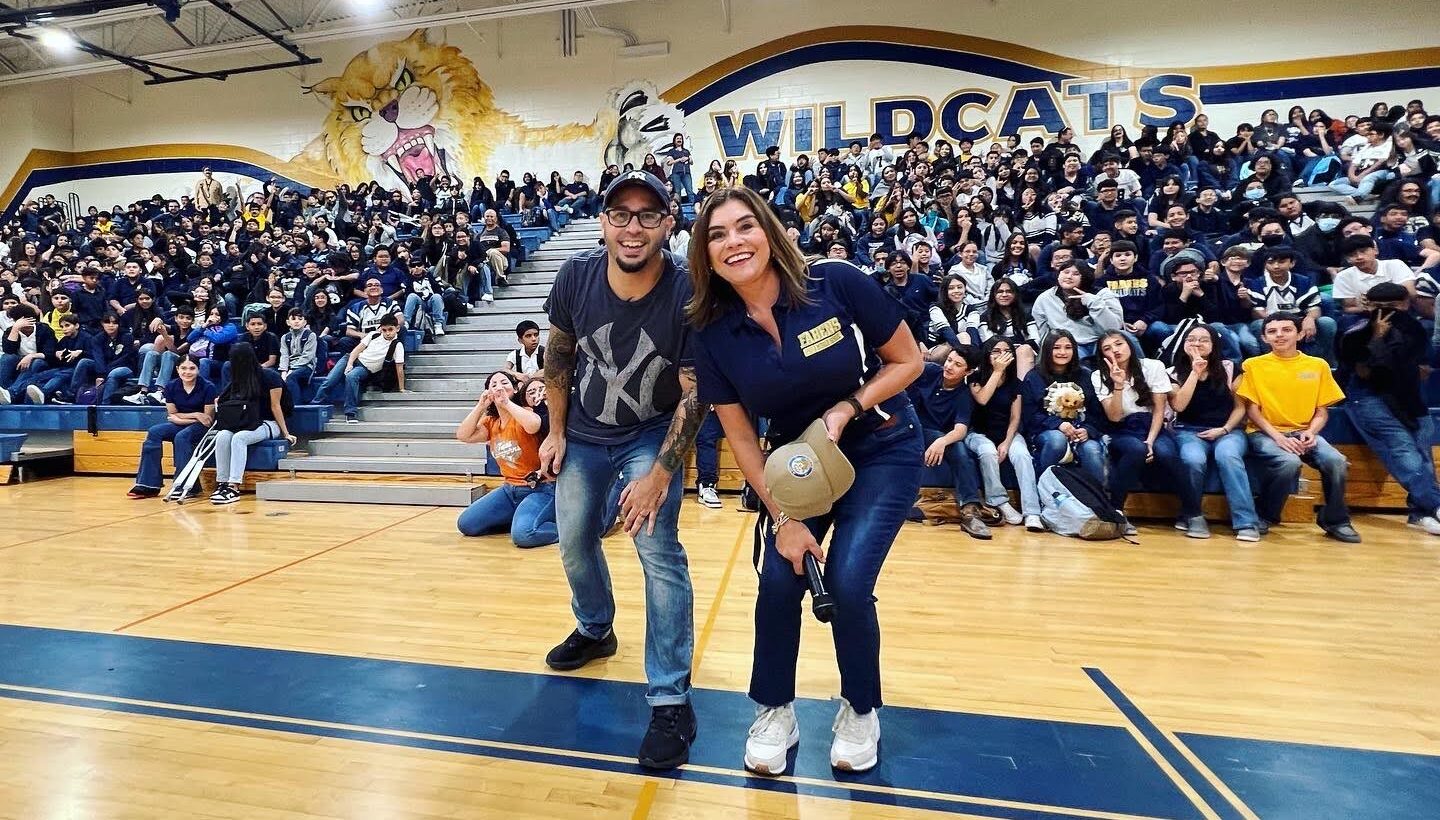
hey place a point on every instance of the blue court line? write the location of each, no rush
(1192, 776)
(1311, 782)
(1051, 767)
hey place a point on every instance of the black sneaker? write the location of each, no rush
(667, 740)
(139, 492)
(578, 650)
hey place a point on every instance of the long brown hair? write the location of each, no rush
(712, 294)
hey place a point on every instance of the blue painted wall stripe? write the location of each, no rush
(1212, 796)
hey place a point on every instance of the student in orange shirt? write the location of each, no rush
(524, 505)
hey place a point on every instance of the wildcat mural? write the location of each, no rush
(406, 109)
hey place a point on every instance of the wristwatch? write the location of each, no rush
(855, 403)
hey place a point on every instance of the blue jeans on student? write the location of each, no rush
(9, 367)
(434, 304)
(296, 381)
(1228, 453)
(987, 455)
(681, 181)
(1089, 454)
(707, 450)
(86, 373)
(865, 521)
(528, 515)
(1250, 345)
(585, 482)
(1405, 452)
(50, 381)
(354, 382)
(157, 367)
(185, 436)
(1341, 183)
(1127, 457)
(1280, 470)
(962, 467)
(479, 283)
(22, 379)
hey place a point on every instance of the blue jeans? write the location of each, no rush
(1280, 470)
(1341, 183)
(1127, 457)
(354, 383)
(51, 381)
(1019, 457)
(707, 450)
(1089, 454)
(1250, 344)
(434, 305)
(157, 367)
(185, 436)
(681, 181)
(1405, 453)
(585, 482)
(37, 372)
(296, 381)
(9, 366)
(477, 284)
(1228, 452)
(528, 515)
(962, 467)
(86, 372)
(866, 521)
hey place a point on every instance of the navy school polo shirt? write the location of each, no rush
(827, 350)
(193, 402)
(940, 409)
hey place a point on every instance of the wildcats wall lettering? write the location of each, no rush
(974, 114)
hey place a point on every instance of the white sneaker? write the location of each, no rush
(1012, 515)
(37, 396)
(158, 397)
(857, 740)
(137, 398)
(488, 297)
(709, 497)
(1429, 524)
(4, 396)
(439, 330)
(773, 734)
(1034, 524)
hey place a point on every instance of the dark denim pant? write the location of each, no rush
(1405, 453)
(961, 464)
(1127, 461)
(1050, 448)
(1280, 470)
(587, 479)
(185, 436)
(865, 520)
(707, 450)
(528, 515)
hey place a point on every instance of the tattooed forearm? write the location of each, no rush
(559, 371)
(689, 414)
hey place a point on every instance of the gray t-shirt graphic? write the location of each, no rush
(628, 354)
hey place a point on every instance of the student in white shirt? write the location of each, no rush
(1365, 272)
(529, 357)
(1133, 390)
(365, 362)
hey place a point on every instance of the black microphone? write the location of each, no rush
(820, 601)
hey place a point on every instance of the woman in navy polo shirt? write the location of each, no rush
(189, 411)
(792, 344)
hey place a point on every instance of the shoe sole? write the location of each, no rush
(775, 766)
(850, 766)
(571, 667)
(1189, 534)
(223, 501)
(716, 506)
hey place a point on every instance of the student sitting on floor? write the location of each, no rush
(189, 412)
(524, 505)
(377, 349)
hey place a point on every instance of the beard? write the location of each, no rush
(635, 267)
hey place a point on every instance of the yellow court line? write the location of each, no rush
(201, 711)
(713, 615)
(647, 799)
(1210, 776)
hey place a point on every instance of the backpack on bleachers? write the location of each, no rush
(1073, 503)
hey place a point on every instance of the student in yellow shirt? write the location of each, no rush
(1286, 395)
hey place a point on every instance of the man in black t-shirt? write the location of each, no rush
(578, 196)
(621, 394)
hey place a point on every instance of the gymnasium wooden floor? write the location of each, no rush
(305, 661)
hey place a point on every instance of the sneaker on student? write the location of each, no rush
(709, 497)
(1130, 528)
(578, 650)
(668, 738)
(1034, 524)
(4, 396)
(1429, 524)
(857, 739)
(1197, 528)
(1011, 515)
(138, 492)
(1249, 534)
(350, 419)
(35, 394)
(225, 494)
(439, 330)
(135, 398)
(158, 397)
(773, 734)
(489, 297)
(970, 522)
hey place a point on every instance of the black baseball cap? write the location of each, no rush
(640, 178)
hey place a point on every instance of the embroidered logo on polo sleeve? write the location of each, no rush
(820, 337)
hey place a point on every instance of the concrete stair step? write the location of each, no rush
(513, 291)
(482, 322)
(362, 492)
(534, 277)
(357, 447)
(448, 414)
(428, 397)
(478, 365)
(470, 337)
(372, 429)
(407, 465)
(506, 306)
(425, 386)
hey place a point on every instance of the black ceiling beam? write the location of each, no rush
(38, 16)
(304, 58)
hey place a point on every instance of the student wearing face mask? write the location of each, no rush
(1319, 246)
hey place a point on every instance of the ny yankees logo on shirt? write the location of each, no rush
(602, 366)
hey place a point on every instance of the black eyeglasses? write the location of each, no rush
(619, 217)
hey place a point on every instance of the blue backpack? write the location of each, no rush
(1073, 503)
